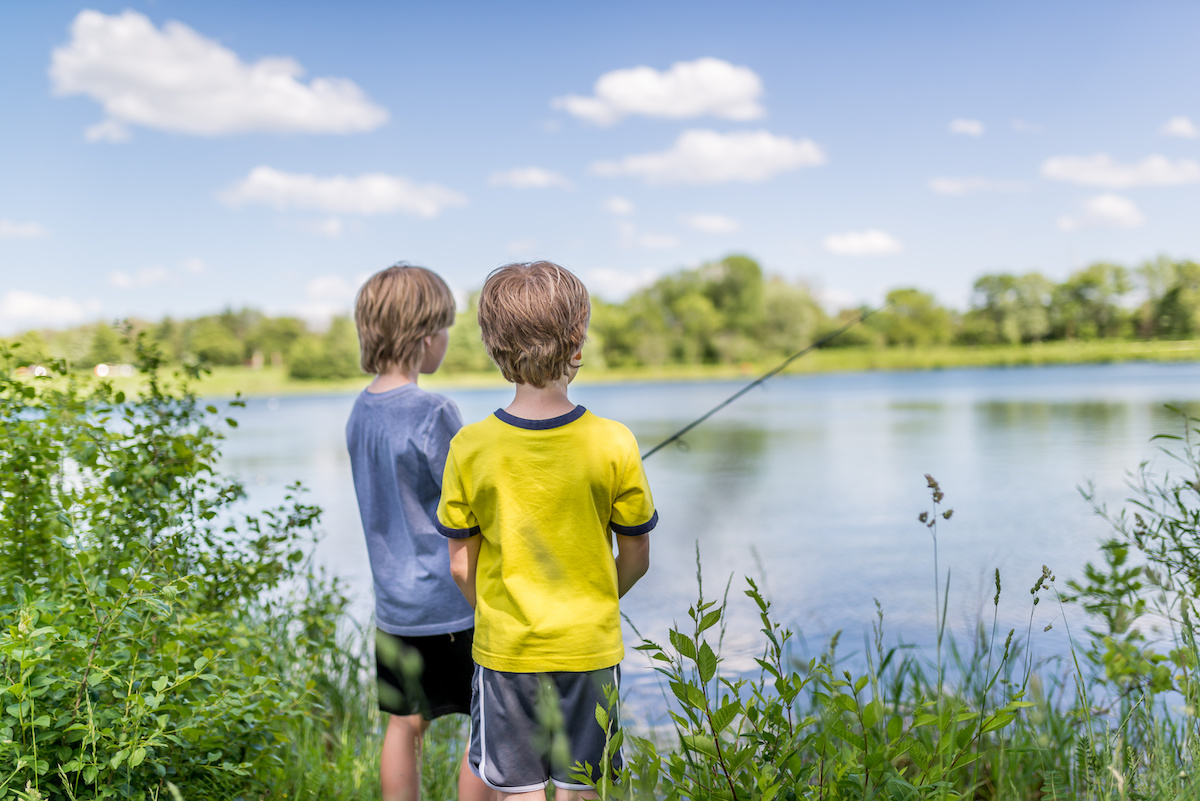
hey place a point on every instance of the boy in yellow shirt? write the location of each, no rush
(531, 496)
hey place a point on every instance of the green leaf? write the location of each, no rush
(998, 721)
(136, 758)
(725, 715)
(683, 645)
(706, 662)
(846, 702)
(701, 743)
(872, 713)
(709, 620)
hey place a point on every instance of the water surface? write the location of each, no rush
(813, 485)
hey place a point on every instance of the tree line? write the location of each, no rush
(723, 312)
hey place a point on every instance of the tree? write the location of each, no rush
(213, 343)
(790, 316)
(1087, 305)
(105, 347)
(1176, 313)
(914, 319)
(1013, 308)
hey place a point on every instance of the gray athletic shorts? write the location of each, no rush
(528, 729)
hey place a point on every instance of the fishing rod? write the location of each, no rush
(820, 343)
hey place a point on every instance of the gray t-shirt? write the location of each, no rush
(398, 442)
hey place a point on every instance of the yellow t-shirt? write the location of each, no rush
(545, 495)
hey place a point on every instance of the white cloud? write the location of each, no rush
(327, 296)
(872, 242)
(966, 127)
(20, 310)
(107, 131)
(372, 193)
(1182, 127)
(21, 230)
(632, 236)
(1101, 170)
(618, 285)
(618, 206)
(711, 223)
(973, 184)
(708, 157)
(180, 81)
(704, 87)
(147, 276)
(1108, 211)
(194, 265)
(530, 178)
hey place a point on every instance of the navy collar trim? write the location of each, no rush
(541, 425)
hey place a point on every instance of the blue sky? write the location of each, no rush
(179, 157)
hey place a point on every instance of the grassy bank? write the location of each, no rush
(226, 381)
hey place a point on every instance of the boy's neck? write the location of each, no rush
(541, 403)
(393, 379)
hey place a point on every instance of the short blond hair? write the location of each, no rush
(534, 319)
(395, 310)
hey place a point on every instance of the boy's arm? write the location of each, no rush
(633, 560)
(464, 556)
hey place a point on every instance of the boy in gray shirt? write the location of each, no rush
(398, 436)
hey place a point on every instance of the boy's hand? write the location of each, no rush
(633, 560)
(464, 556)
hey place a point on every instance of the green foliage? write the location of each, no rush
(331, 356)
(913, 319)
(464, 351)
(798, 730)
(142, 617)
(211, 340)
(105, 347)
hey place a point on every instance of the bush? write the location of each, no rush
(151, 636)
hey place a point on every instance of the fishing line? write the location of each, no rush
(820, 343)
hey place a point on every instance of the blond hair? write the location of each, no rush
(534, 319)
(395, 310)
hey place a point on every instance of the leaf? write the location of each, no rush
(136, 758)
(998, 721)
(706, 661)
(872, 713)
(723, 716)
(683, 645)
(700, 742)
(894, 727)
(846, 702)
(709, 621)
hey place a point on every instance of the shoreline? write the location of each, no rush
(226, 382)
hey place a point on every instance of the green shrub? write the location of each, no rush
(152, 638)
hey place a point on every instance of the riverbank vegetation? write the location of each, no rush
(159, 640)
(724, 318)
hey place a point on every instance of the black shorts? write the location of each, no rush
(426, 676)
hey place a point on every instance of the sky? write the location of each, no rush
(178, 158)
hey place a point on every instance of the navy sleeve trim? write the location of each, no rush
(635, 531)
(457, 533)
(541, 425)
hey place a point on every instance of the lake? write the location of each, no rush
(812, 485)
